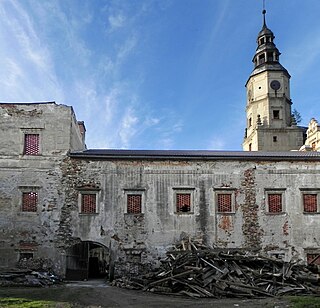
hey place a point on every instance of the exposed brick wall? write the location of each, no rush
(251, 229)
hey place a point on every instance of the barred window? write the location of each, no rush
(88, 203)
(310, 203)
(134, 203)
(224, 202)
(275, 203)
(313, 258)
(29, 201)
(31, 144)
(183, 202)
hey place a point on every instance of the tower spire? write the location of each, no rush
(264, 13)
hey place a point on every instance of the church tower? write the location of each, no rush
(270, 124)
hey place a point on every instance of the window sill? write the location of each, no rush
(275, 214)
(134, 214)
(226, 213)
(88, 214)
(184, 213)
(311, 213)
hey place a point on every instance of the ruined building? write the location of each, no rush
(84, 212)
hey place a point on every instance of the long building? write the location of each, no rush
(82, 212)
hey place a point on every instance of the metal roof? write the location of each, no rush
(105, 154)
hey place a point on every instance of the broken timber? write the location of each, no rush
(195, 270)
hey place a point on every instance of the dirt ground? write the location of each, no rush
(99, 294)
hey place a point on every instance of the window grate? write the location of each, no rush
(31, 144)
(88, 203)
(275, 203)
(134, 204)
(183, 202)
(310, 203)
(29, 201)
(313, 258)
(224, 203)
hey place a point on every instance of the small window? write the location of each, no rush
(310, 203)
(29, 201)
(262, 40)
(313, 145)
(313, 258)
(183, 202)
(134, 203)
(88, 203)
(276, 114)
(275, 138)
(31, 144)
(250, 122)
(275, 202)
(250, 147)
(224, 203)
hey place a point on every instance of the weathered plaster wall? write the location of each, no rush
(135, 238)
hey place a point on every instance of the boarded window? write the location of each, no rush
(29, 201)
(275, 203)
(310, 203)
(31, 144)
(134, 204)
(313, 258)
(224, 203)
(88, 203)
(183, 202)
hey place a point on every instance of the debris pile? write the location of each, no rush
(26, 278)
(195, 270)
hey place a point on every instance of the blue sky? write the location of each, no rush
(155, 74)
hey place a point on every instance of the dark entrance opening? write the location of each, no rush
(87, 260)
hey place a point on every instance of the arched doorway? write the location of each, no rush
(87, 260)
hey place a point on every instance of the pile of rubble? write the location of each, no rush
(29, 273)
(26, 278)
(195, 270)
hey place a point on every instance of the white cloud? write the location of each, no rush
(116, 21)
(128, 127)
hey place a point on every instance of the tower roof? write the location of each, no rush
(267, 54)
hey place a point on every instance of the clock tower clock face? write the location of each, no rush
(275, 85)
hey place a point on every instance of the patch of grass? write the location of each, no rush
(10, 302)
(305, 301)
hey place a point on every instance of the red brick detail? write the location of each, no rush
(134, 203)
(275, 203)
(31, 144)
(88, 203)
(183, 202)
(29, 201)
(310, 203)
(224, 203)
(315, 257)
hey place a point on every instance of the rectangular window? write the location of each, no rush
(224, 202)
(275, 203)
(31, 144)
(134, 203)
(183, 202)
(88, 203)
(313, 258)
(29, 201)
(276, 114)
(310, 203)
